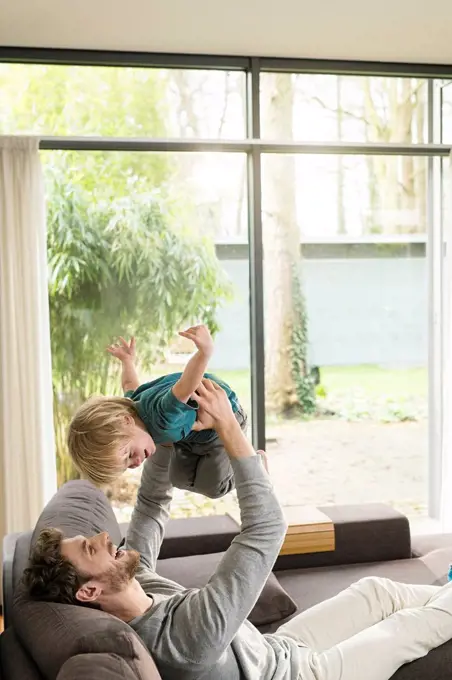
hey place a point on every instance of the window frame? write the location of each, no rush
(254, 147)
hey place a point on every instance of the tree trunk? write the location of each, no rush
(281, 238)
(404, 116)
(395, 178)
(341, 227)
(420, 170)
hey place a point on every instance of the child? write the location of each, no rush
(109, 434)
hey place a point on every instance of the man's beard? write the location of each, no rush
(122, 572)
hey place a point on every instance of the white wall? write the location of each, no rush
(387, 30)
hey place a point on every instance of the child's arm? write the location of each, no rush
(151, 513)
(195, 369)
(126, 353)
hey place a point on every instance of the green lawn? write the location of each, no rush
(352, 389)
(376, 380)
(240, 381)
(373, 380)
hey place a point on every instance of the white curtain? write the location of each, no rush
(446, 434)
(27, 452)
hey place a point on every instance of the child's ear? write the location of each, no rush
(89, 592)
(129, 420)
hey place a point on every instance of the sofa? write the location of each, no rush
(47, 641)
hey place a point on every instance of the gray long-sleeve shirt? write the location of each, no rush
(203, 634)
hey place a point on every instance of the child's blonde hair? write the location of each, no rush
(97, 432)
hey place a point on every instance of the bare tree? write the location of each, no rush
(399, 183)
(341, 227)
(190, 89)
(284, 312)
(391, 110)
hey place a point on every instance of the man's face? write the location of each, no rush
(140, 447)
(107, 569)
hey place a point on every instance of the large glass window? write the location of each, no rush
(333, 108)
(346, 319)
(121, 102)
(446, 110)
(143, 244)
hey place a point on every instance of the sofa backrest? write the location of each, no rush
(15, 660)
(79, 508)
(96, 667)
(53, 633)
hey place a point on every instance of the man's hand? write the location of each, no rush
(203, 421)
(201, 337)
(123, 350)
(215, 407)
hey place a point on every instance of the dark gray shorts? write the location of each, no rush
(204, 468)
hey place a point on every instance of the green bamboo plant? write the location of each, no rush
(118, 267)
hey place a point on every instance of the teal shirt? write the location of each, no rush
(166, 418)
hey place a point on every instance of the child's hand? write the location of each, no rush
(200, 335)
(123, 350)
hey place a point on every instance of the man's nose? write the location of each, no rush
(103, 538)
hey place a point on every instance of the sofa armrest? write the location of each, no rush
(369, 532)
(9, 547)
(16, 663)
(423, 545)
(372, 532)
(196, 535)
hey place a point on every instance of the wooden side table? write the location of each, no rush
(309, 530)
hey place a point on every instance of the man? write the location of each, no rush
(366, 632)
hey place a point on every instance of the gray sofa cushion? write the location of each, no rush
(15, 661)
(198, 536)
(437, 665)
(422, 545)
(9, 548)
(274, 604)
(79, 508)
(53, 633)
(21, 555)
(311, 586)
(96, 667)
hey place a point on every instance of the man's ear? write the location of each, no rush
(89, 592)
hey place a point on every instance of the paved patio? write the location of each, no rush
(325, 462)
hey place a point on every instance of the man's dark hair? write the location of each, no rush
(50, 576)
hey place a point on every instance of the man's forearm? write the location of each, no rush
(235, 442)
(220, 608)
(191, 377)
(129, 377)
